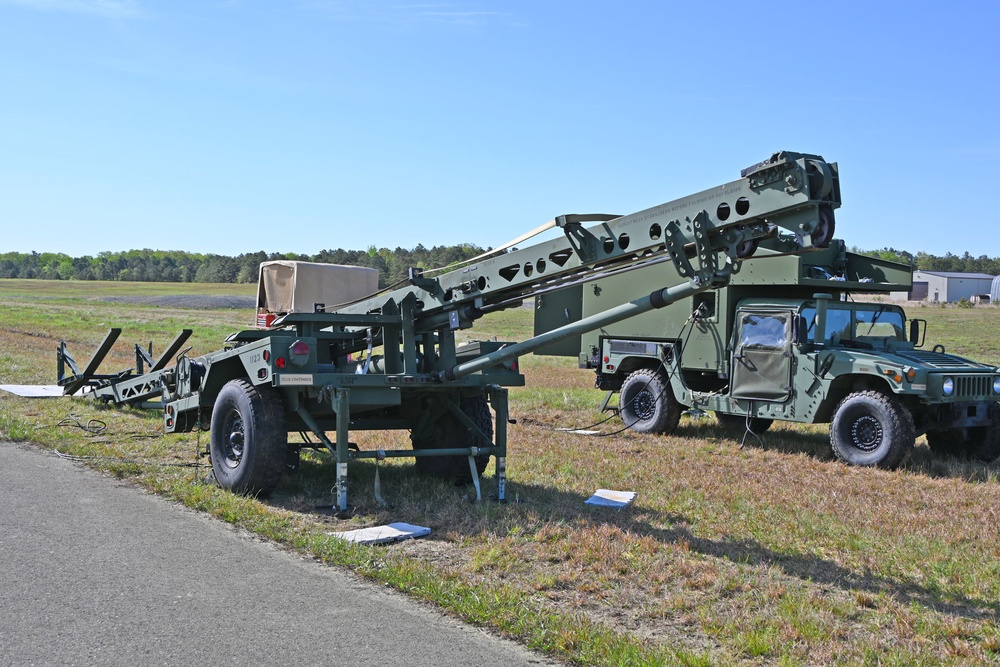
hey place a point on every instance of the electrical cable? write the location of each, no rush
(743, 441)
(614, 413)
(95, 427)
(139, 462)
(92, 427)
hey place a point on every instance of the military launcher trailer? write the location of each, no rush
(784, 340)
(390, 360)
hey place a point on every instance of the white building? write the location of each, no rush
(947, 287)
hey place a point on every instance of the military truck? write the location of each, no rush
(328, 357)
(799, 338)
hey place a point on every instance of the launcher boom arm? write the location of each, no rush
(790, 192)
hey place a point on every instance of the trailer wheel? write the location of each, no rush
(738, 423)
(647, 403)
(979, 442)
(248, 441)
(871, 429)
(448, 432)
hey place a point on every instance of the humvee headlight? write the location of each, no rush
(948, 386)
(996, 385)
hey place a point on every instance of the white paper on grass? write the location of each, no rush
(33, 390)
(393, 532)
(609, 498)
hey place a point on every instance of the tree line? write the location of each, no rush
(948, 263)
(185, 267)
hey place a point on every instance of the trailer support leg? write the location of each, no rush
(342, 406)
(498, 399)
(475, 476)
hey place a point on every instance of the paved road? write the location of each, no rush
(96, 573)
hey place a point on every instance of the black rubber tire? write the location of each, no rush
(980, 442)
(872, 429)
(448, 432)
(738, 423)
(248, 443)
(647, 404)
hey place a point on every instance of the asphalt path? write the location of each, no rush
(94, 572)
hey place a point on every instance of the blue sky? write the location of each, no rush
(243, 125)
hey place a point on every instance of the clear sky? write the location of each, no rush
(240, 125)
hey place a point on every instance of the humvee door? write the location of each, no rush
(762, 356)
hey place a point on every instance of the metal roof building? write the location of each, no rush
(950, 286)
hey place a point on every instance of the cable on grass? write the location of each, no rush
(570, 429)
(95, 427)
(138, 462)
(92, 427)
(746, 430)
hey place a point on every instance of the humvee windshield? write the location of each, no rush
(851, 322)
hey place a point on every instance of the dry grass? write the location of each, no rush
(766, 554)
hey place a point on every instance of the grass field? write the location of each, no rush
(773, 553)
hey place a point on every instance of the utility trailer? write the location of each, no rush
(390, 360)
(786, 340)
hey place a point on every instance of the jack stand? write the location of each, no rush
(475, 477)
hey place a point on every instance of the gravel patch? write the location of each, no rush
(202, 301)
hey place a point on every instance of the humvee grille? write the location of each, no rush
(973, 386)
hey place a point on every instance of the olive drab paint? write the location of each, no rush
(391, 360)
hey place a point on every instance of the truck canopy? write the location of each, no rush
(297, 287)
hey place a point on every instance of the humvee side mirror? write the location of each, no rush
(800, 330)
(918, 332)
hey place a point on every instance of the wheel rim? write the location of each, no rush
(644, 405)
(233, 439)
(866, 433)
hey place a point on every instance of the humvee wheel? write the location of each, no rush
(248, 441)
(871, 429)
(647, 404)
(738, 423)
(979, 442)
(447, 433)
